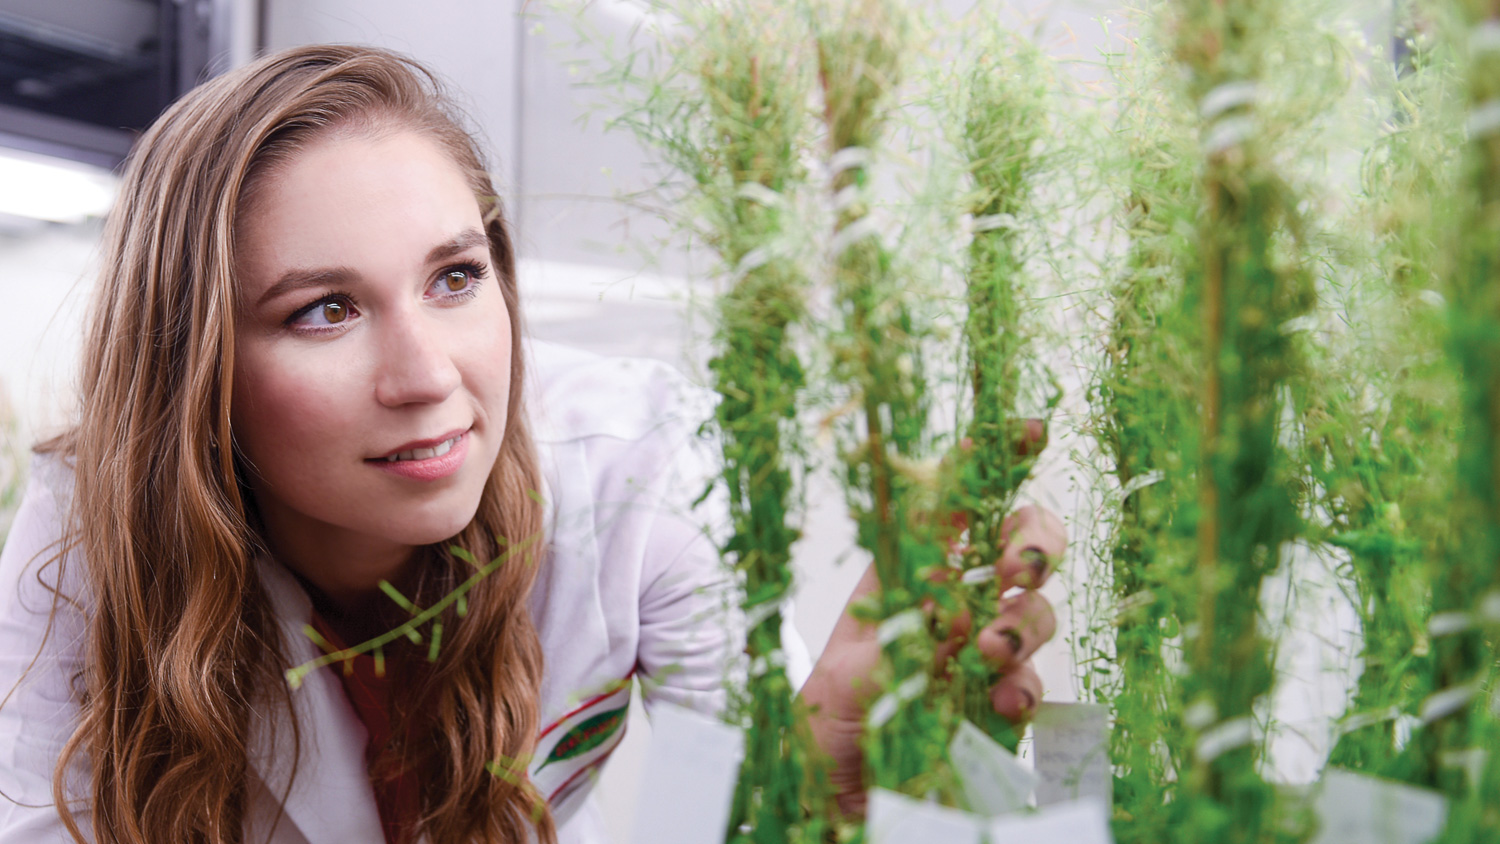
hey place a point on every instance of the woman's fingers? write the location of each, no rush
(1017, 694)
(1024, 623)
(1035, 540)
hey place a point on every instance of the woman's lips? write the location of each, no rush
(418, 466)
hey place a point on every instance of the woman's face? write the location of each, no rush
(372, 354)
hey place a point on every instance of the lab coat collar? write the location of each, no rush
(330, 798)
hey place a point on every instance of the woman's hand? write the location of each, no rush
(839, 689)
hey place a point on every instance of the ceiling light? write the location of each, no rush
(52, 189)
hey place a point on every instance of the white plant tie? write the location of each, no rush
(847, 158)
(760, 612)
(1489, 607)
(1446, 702)
(901, 624)
(855, 231)
(1484, 119)
(759, 193)
(990, 222)
(1486, 37)
(846, 197)
(1447, 623)
(752, 261)
(1221, 738)
(1299, 324)
(884, 709)
(765, 662)
(1471, 761)
(1230, 95)
(1140, 482)
(1200, 714)
(1135, 601)
(977, 575)
(1360, 720)
(1228, 133)
(1457, 621)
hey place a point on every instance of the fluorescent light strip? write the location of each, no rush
(52, 189)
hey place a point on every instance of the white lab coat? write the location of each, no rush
(631, 586)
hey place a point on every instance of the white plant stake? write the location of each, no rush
(895, 818)
(1073, 822)
(1072, 752)
(994, 780)
(1356, 808)
(691, 769)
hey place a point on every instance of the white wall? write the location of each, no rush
(46, 287)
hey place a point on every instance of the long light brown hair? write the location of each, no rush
(182, 639)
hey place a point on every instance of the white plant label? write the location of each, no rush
(994, 780)
(1073, 822)
(692, 765)
(894, 818)
(1071, 743)
(1360, 809)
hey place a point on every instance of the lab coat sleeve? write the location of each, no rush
(692, 632)
(39, 662)
(692, 628)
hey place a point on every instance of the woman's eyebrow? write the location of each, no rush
(298, 279)
(461, 242)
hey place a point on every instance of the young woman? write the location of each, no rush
(304, 375)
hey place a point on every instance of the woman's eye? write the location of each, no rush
(324, 313)
(458, 282)
(334, 312)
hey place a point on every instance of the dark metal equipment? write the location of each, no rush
(80, 79)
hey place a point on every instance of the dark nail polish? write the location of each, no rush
(1013, 639)
(1036, 560)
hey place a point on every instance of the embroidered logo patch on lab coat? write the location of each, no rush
(570, 750)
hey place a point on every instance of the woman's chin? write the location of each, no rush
(432, 532)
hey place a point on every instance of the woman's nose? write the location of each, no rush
(415, 364)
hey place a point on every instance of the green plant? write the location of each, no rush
(1144, 419)
(1380, 437)
(1003, 120)
(877, 356)
(1462, 726)
(754, 95)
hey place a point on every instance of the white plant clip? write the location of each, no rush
(1228, 133)
(765, 662)
(847, 196)
(1230, 95)
(1224, 737)
(1447, 623)
(990, 222)
(1446, 702)
(1486, 37)
(901, 624)
(1484, 119)
(886, 707)
(848, 158)
(1360, 720)
(759, 193)
(851, 234)
(977, 575)
(1140, 482)
(752, 261)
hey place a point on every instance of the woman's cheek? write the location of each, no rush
(484, 355)
(295, 408)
